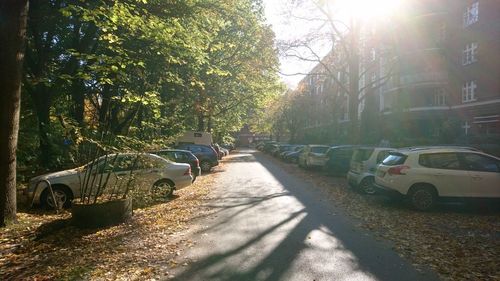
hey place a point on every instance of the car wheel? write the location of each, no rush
(366, 186)
(162, 189)
(62, 195)
(205, 166)
(422, 198)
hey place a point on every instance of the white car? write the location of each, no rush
(425, 175)
(313, 155)
(150, 173)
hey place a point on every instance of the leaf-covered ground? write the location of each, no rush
(459, 242)
(46, 247)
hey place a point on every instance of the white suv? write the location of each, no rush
(424, 175)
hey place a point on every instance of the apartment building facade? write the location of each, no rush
(448, 67)
(435, 68)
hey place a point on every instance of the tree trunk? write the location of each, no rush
(13, 16)
(354, 82)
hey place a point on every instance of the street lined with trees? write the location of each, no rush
(132, 75)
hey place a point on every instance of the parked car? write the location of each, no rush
(364, 162)
(282, 148)
(426, 175)
(269, 145)
(290, 149)
(217, 149)
(151, 173)
(338, 159)
(182, 156)
(293, 156)
(206, 154)
(312, 155)
(225, 151)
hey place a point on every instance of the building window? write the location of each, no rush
(469, 91)
(440, 97)
(471, 14)
(469, 54)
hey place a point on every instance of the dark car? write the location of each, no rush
(182, 156)
(293, 157)
(206, 154)
(339, 159)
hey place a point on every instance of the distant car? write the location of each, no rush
(293, 156)
(151, 172)
(206, 154)
(269, 146)
(283, 148)
(338, 159)
(182, 156)
(364, 162)
(425, 175)
(217, 149)
(225, 151)
(312, 156)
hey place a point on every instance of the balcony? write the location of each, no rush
(423, 79)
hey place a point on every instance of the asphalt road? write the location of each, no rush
(269, 225)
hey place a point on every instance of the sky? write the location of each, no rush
(304, 22)
(287, 29)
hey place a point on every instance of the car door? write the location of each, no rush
(444, 171)
(303, 155)
(484, 173)
(149, 170)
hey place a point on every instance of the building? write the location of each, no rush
(432, 71)
(448, 69)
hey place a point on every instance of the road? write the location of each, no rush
(268, 225)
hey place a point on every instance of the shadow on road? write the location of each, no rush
(356, 255)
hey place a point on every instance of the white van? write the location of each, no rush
(195, 138)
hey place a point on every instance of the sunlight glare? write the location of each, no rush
(370, 9)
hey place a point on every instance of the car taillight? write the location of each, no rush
(197, 162)
(188, 171)
(398, 170)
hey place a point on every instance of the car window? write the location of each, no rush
(477, 162)
(195, 149)
(439, 160)
(180, 156)
(125, 162)
(150, 162)
(342, 154)
(362, 154)
(394, 159)
(382, 155)
(166, 154)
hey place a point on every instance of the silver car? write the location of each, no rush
(364, 162)
(150, 173)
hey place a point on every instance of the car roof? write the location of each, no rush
(411, 150)
(172, 150)
(344, 146)
(318, 145)
(437, 147)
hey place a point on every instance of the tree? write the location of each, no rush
(12, 31)
(349, 41)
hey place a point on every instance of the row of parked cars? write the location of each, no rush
(422, 175)
(165, 170)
